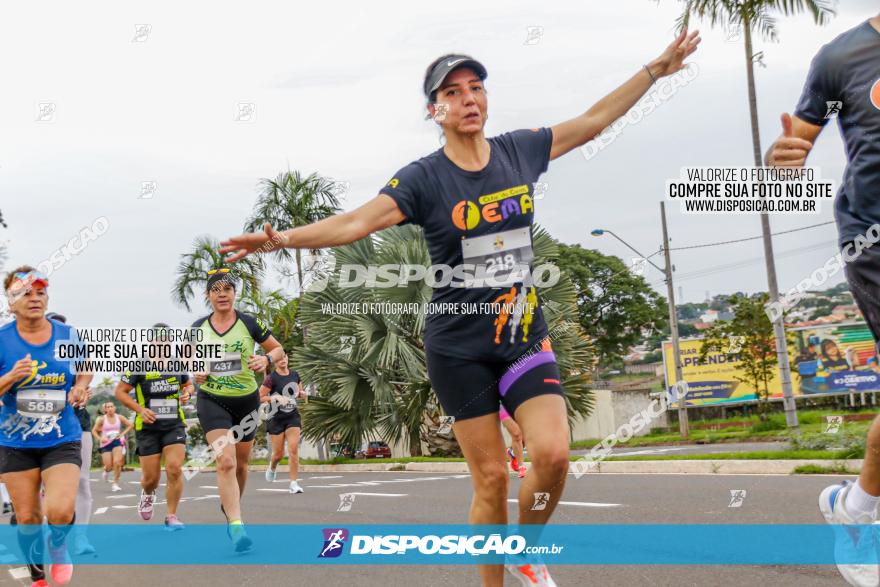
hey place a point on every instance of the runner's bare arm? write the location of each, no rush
(20, 370)
(128, 425)
(121, 392)
(576, 132)
(79, 393)
(272, 348)
(186, 393)
(98, 428)
(793, 147)
(264, 394)
(340, 229)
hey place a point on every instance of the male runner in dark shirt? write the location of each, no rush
(844, 83)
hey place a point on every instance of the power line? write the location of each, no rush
(746, 262)
(751, 238)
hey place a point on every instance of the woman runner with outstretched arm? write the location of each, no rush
(474, 201)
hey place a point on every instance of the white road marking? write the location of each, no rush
(271, 489)
(586, 504)
(19, 573)
(123, 496)
(100, 511)
(124, 507)
(323, 477)
(383, 494)
(208, 487)
(382, 481)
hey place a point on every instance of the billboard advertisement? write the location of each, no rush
(828, 359)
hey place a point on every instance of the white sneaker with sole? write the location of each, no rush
(851, 542)
(145, 505)
(271, 474)
(115, 487)
(295, 488)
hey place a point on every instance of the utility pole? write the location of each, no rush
(673, 328)
(772, 286)
(791, 419)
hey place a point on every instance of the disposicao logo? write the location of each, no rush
(334, 542)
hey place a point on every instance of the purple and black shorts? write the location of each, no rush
(469, 389)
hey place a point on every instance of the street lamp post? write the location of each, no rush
(673, 316)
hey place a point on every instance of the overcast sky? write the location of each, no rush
(336, 90)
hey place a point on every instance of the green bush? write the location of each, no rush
(774, 422)
(851, 446)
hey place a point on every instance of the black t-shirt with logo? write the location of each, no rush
(456, 208)
(279, 384)
(845, 78)
(160, 392)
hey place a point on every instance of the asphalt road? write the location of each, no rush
(440, 498)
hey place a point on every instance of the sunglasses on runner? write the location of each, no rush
(23, 280)
(214, 271)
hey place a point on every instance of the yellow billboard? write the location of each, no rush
(826, 360)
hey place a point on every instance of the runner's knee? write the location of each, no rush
(59, 515)
(550, 461)
(173, 471)
(225, 464)
(490, 479)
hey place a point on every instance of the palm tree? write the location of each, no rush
(370, 368)
(192, 271)
(749, 16)
(278, 311)
(290, 200)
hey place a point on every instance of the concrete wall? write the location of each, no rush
(613, 408)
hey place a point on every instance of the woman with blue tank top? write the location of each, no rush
(40, 434)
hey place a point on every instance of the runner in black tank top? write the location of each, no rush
(280, 390)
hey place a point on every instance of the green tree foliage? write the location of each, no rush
(751, 332)
(614, 305)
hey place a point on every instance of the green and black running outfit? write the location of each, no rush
(230, 396)
(159, 392)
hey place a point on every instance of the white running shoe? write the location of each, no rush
(271, 474)
(145, 505)
(531, 574)
(115, 487)
(850, 541)
(105, 475)
(295, 488)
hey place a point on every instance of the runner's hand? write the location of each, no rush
(258, 362)
(252, 242)
(788, 150)
(148, 415)
(672, 59)
(78, 396)
(201, 378)
(21, 369)
(185, 395)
